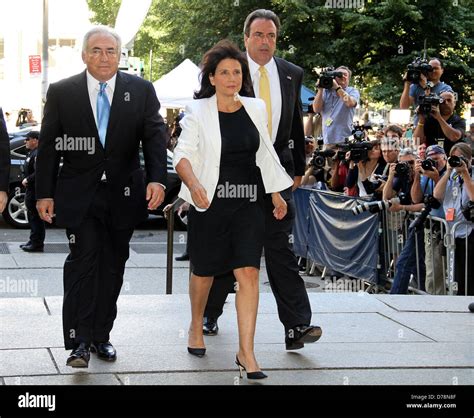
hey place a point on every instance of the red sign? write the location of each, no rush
(35, 64)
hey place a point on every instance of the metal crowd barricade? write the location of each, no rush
(450, 245)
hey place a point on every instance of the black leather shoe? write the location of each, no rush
(105, 351)
(31, 248)
(182, 257)
(297, 337)
(79, 356)
(25, 245)
(209, 326)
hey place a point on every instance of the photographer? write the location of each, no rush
(339, 170)
(316, 174)
(424, 182)
(441, 124)
(391, 143)
(309, 147)
(337, 105)
(366, 176)
(456, 191)
(413, 91)
(399, 182)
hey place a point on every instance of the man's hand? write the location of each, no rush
(45, 209)
(423, 81)
(435, 112)
(335, 84)
(3, 201)
(155, 194)
(297, 182)
(391, 171)
(24, 182)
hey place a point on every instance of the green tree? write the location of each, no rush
(377, 41)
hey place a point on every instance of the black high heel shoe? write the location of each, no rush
(250, 375)
(199, 352)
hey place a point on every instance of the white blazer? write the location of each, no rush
(200, 143)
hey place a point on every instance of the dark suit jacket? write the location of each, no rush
(289, 143)
(133, 118)
(4, 155)
(30, 171)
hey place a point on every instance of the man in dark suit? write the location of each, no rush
(38, 230)
(95, 122)
(4, 162)
(278, 83)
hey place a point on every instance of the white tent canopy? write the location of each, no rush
(176, 89)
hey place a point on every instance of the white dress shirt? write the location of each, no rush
(275, 90)
(94, 88)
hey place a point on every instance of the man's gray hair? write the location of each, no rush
(343, 67)
(261, 14)
(103, 30)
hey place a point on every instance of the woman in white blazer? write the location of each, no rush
(226, 161)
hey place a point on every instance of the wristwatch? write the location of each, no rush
(338, 88)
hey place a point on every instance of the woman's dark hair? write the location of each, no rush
(221, 51)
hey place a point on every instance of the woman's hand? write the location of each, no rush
(280, 205)
(199, 196)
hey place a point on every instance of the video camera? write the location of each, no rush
(358, 147)
(327, 76)
(416, 68)
(427, 101)
(430, 203)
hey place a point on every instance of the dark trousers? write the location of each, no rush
(282, 268)
(38, 230)
(460, 271)
(93, 274)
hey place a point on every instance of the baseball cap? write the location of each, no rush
(434, 149)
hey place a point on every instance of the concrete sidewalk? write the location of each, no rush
(367, 340)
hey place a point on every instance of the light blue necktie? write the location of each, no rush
(103, 113)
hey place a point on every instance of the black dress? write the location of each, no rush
(229, 234)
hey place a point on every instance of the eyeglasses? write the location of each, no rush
(97, 52)
(261, 36)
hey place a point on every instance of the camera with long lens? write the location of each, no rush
(455, 161)
(318, 161)
(327, 77)
(428, 165)
(372, 207)
(426, 102)
(468, 211)
(404, 198)
(416, 68)
(430, 203)
(402, 169)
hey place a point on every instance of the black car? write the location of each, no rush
(15, 212)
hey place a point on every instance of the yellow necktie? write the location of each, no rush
(264, 90)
